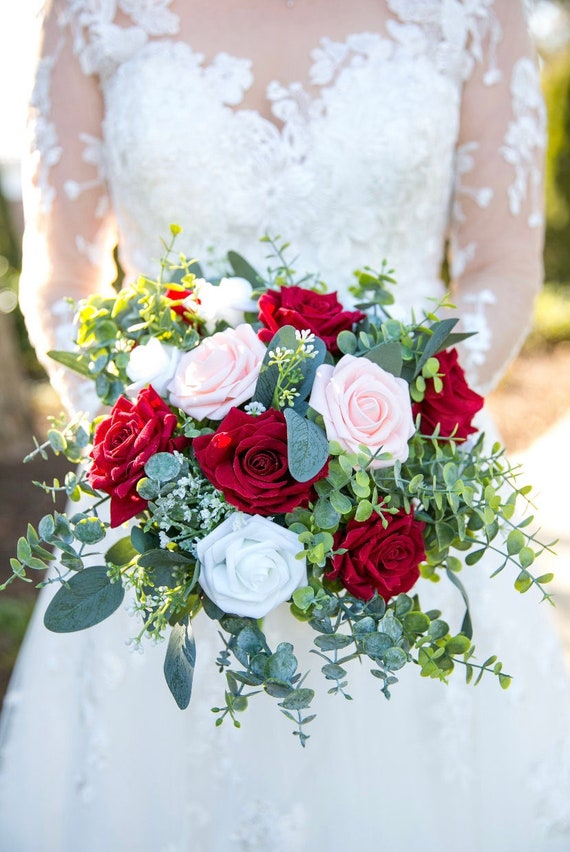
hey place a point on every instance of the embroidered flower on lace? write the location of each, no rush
(44, 138)
(152, 16)
(228, 77)
(457, 32)
(101, 45)
(525, 136)
(476, 321)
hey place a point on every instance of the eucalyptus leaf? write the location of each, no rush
(179, 663)
(90, 530)
(326, 516)
(299, 699)
(307, 446)
(163, 467)
(87, 598)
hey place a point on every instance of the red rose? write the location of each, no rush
(246, 459)
(177, 296)
(123, 443)
(454, 406)
(321, 313)
(379, 559)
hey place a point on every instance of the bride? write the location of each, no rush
(358, 131)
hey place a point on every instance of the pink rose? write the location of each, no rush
(363, 404)
(220, 373)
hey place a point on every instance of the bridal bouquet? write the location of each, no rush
(270, 446)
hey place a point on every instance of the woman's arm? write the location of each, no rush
(69, 232)
(496, 234)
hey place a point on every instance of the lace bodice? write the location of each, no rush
(426, 128)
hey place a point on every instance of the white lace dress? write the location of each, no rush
(428, 126)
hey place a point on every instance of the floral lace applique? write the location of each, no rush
(525, 136)
(102, 45)
(44, 138)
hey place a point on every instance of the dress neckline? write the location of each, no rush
(230, 76)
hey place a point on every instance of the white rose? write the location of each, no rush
(248, 565)
(153, 363)
(228, 301)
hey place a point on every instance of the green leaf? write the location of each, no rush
(74, 361)
(333, 642)
(304, 597)
(282, 664)
(87, 598)
(180, 662)
(474, 557)
(243, 269)
(269, 375)
(436, 341)
(515, 542)
(332, 671)
(299, 699)
(121, 552)
(457, 645)
(438, 629)
(395, 658)
(523, 582)
(307, 446)
(416, 622)
(364, 510)
(346, 342)
(90, 530)
(143, 541)
(340, 502)
(23, 551)
(466, 627)
(375, 644)
(388, 356)
(57, 441)
(326, 517)
(164, 559)
(163, 467)
(46, 527)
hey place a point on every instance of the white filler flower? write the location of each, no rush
(249, 565)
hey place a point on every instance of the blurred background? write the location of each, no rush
(532, 404)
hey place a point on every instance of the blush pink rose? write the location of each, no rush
(363, 404)
(220, 373)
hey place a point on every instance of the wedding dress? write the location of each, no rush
(429, 126)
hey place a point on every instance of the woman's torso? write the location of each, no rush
(339, 136)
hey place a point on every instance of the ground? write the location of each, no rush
(531, 398)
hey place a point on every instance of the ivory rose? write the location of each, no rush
(249, 565)
(152, 363)
(363, 404)
(218, 374)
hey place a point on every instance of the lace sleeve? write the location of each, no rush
(69, 233)
(496, 233)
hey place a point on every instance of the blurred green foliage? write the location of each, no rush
(10, 264)
(556, 87)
